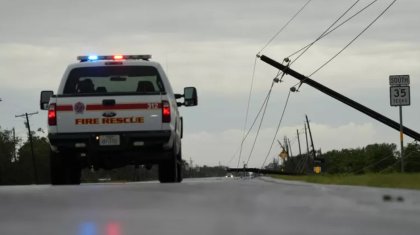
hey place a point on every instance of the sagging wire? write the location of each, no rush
(253, 72)
(259, 126)
(247, 110)
(284, 26)
(335, 28)
(354, 39)
(275, 80)
(299, 84)
(277, 129)
(253, 123)
(324, 32)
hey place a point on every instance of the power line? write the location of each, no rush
(354, 39)
(335, 28)
(247, 109)
(275, 80)
(259, 127)
(277, 129)
(348, 44)
(253, 123)
(254, 68)
(285, 25)
(325, 31)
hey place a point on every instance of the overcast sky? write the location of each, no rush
(212, 45)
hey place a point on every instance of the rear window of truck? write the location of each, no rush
(113, 79)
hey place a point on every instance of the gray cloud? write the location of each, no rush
(211, 45)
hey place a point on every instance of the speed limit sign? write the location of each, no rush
(399, 95)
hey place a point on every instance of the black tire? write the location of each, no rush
(179, 176)
(65, 169)
(168, 170)
(56, 169)
(179, 168)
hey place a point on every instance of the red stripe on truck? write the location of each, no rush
(64, 108)
(96, 107)
(99, 107)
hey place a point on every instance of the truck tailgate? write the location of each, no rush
(109, 113)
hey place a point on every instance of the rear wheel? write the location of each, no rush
(169, 170)
(179, 176)
(179, 168)
(65, 169)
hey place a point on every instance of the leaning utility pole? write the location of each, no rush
(310, 135)
(290, 147)
(306, 137)
(14, 144)
(300, 151)
(340, 97)
(30, 141)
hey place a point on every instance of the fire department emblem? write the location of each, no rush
(79, 107)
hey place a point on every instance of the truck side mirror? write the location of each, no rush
(190, 96)
(45, 99)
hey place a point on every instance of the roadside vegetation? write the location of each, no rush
(376, 165)
(17, 166)
(385, 180)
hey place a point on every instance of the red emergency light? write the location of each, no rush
(118, 57)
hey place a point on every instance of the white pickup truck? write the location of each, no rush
(113, 111)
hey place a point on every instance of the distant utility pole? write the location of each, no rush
(310, 135)
(306, 137)
(300, 151)
(286, 145)
(191, 167)
(14, 144)
(26, 115)
(290, 147)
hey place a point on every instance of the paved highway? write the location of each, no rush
(208, 206)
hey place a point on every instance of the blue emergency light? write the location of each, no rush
(93, 57)
(113, 57)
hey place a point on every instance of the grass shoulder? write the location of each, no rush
(390, 180)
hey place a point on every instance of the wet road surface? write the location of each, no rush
(208, 206)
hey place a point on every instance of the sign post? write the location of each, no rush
(399, 94)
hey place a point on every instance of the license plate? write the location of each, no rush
(109, 140)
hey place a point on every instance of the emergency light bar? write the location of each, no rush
(113, 57)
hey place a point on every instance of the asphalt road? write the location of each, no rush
(208, 206)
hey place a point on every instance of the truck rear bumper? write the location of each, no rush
(128, 141)
(149, 147)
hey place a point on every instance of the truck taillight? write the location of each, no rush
(52, 115)
(166, 112)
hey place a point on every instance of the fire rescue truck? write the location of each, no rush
(111, 111)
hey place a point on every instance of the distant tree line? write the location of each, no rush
(140, 173)
(374, 158)
(16, 163)
(17, 166)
